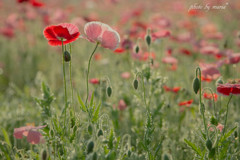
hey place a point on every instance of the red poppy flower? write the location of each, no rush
(185, 51)
(209, 96)
(119, 50)
(228, 88)
(65, 31)
(21, 1)
(186, 103)
(174, 89)
(94, 81)
(209, 72)
(147, 55)
(36, 3)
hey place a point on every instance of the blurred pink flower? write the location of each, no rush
(33, 136)
(122, 105)
(126, 75)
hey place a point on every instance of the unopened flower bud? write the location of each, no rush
(90, 129)
(67, 56)
(209, 144)
(90, 147)
(135, 84)
(196, 85)
(136, 49)
(100, 133)
(109, 91)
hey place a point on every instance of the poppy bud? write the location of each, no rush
(67, 56)
(44, 155)
(136, 49)
(202, 108)
(148, 37)
(211, 153)
(196, 85)
(129, 153)
(219, 81)
(90, 147)
(214, 121)
(166, 157)
(235, 134)
(225, 45)
(135, 84)
(109, 91)
(209, 144)
(95, 156)
(100, 133)
(90, 129)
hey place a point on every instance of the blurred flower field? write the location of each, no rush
(119, 79)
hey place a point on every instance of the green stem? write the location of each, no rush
(225, 122)
(198, 71)
(65, 84)
(144, 92)
(213, 101)
(70, 71)
(89, 62)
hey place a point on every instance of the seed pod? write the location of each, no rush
(100, 133)
(135, 84)
(67, 56)
(44, 155)
(90, 129)
(209, 144)
(109, 91)
(196, 85)
(90, 147)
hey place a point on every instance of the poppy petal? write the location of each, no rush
(110, 39)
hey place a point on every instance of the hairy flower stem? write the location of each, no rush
(89, 63)
(65, 84)
(70, 72)
(213, 101)
(225, 122)
(198, 72)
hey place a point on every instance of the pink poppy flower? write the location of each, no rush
(161, 34)
(209, 72)
(33, 136)
(126, 75)
(219, 127)
(211, 50)
(169, 60)
(122, 105)
(233, 59)
(103, 34)
(66, 31)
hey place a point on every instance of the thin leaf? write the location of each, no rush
(228, 134)
(96, 113)
(6, 137)
(194, 147)
(83, 107)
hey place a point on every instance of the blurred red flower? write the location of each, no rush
(94, 81)
(228, 88)
(186, 103)
(174, 89)
(64, 31)
(210, 96)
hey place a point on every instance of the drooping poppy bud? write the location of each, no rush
(100, 133)
(90, 147)
(135, 84)
(148, 37)
(109, 91)
(67, 56)
(209, 144)
(196, 85)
